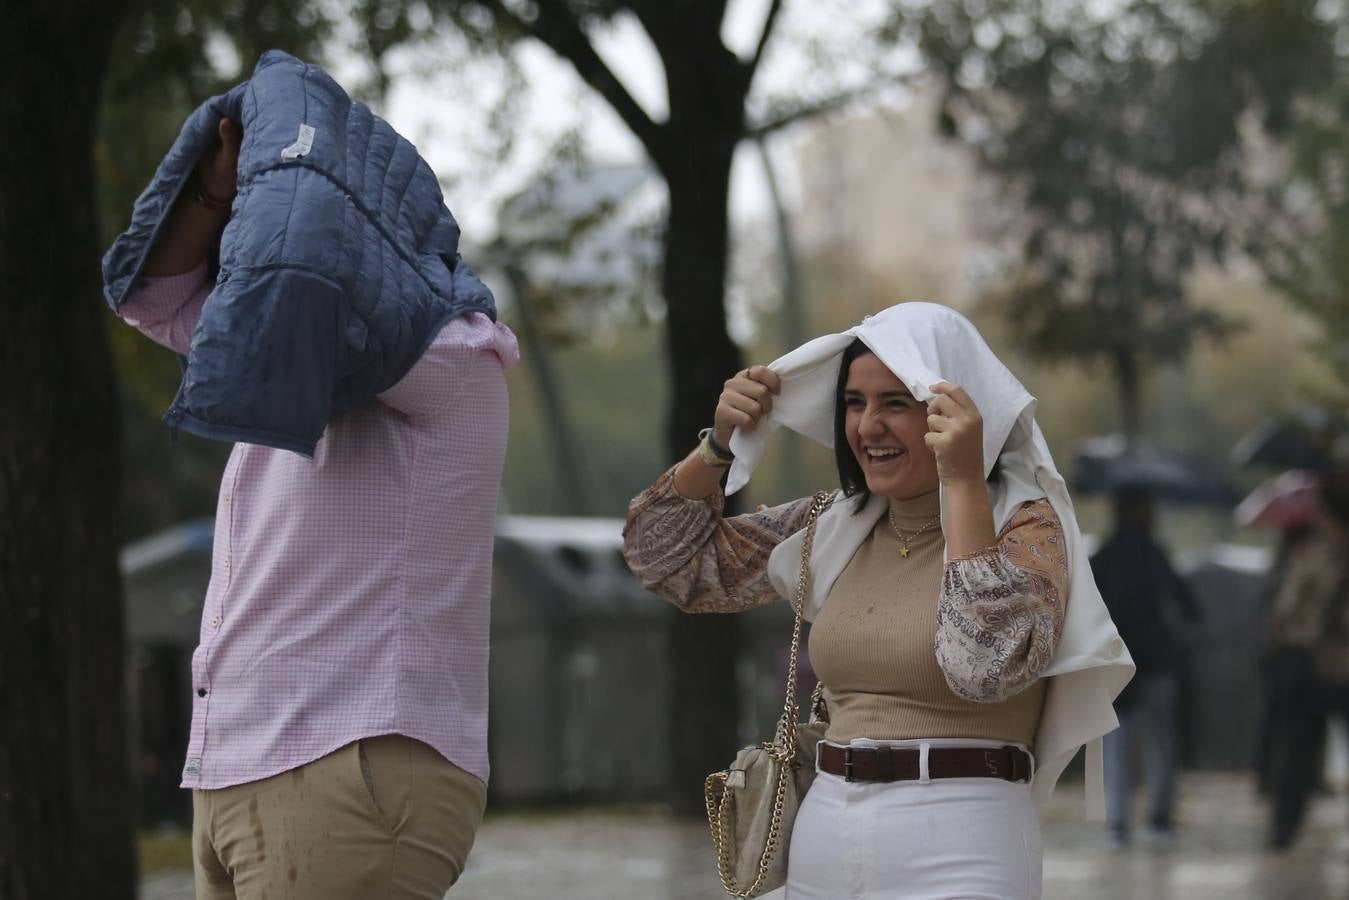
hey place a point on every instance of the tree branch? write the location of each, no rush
(781, 120)
(769, 21)
(558, 29)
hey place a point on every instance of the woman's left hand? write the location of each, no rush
(955, 434)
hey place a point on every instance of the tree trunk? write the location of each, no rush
(793, 310)
(704, 648)
(65, 814)
(571, 476)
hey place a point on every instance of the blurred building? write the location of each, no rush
(164, 584)
(884, 192)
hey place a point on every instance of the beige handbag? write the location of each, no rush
(751, 805)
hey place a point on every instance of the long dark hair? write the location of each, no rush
(850, 476)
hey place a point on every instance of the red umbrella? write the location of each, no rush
(1290, 500)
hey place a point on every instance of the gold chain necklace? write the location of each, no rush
(904, 541)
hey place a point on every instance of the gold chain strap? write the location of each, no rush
(782, 748)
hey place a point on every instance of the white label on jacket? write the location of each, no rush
(303, 144)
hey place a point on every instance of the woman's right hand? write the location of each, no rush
(746, 398)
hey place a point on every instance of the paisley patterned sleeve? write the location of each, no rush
(1001, 609)
(686, 553)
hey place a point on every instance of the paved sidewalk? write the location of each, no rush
(1218, 853)
(643, 854)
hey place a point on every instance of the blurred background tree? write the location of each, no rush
(1303, 243)
(1119, 135)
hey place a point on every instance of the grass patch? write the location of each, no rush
(163, 851)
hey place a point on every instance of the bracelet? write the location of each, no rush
(201, 197)
(712, 453)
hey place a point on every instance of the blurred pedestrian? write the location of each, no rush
(1150, 605)
(1273, 668)
(338, 742)
(949, 588)
(1309, 658)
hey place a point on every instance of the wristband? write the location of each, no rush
(712, 453)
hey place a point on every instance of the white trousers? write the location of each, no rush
(948, 839)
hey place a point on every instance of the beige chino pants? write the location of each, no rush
(384, 817)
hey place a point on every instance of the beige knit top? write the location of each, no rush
(872, 645)
(906, 647)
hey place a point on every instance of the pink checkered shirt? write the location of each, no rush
(349, 594)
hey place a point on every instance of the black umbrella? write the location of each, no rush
(1108, 465)
(1300, 440)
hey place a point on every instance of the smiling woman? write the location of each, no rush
(942, 601)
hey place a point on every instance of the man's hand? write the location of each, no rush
(193, 225)
(218, 169)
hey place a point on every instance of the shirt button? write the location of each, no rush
(215, 623)
(227, 563)
(201, 692)
(1117, 647)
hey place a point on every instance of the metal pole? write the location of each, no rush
(793, 313)
(550, 395)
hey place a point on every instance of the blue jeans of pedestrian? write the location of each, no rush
(1153, 713)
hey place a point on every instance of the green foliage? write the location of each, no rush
(163, 852)
(614, 395)
(1118, 139)
(1304, 250)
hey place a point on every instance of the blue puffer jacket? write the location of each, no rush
(338, 266)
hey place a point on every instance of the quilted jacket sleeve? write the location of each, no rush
(264, 360)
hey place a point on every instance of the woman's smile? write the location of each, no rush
(882, 458)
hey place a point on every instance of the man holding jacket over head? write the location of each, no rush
(339, 728)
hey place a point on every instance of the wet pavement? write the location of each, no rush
(643, 854)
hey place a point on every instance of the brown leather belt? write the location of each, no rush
(901, 763)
